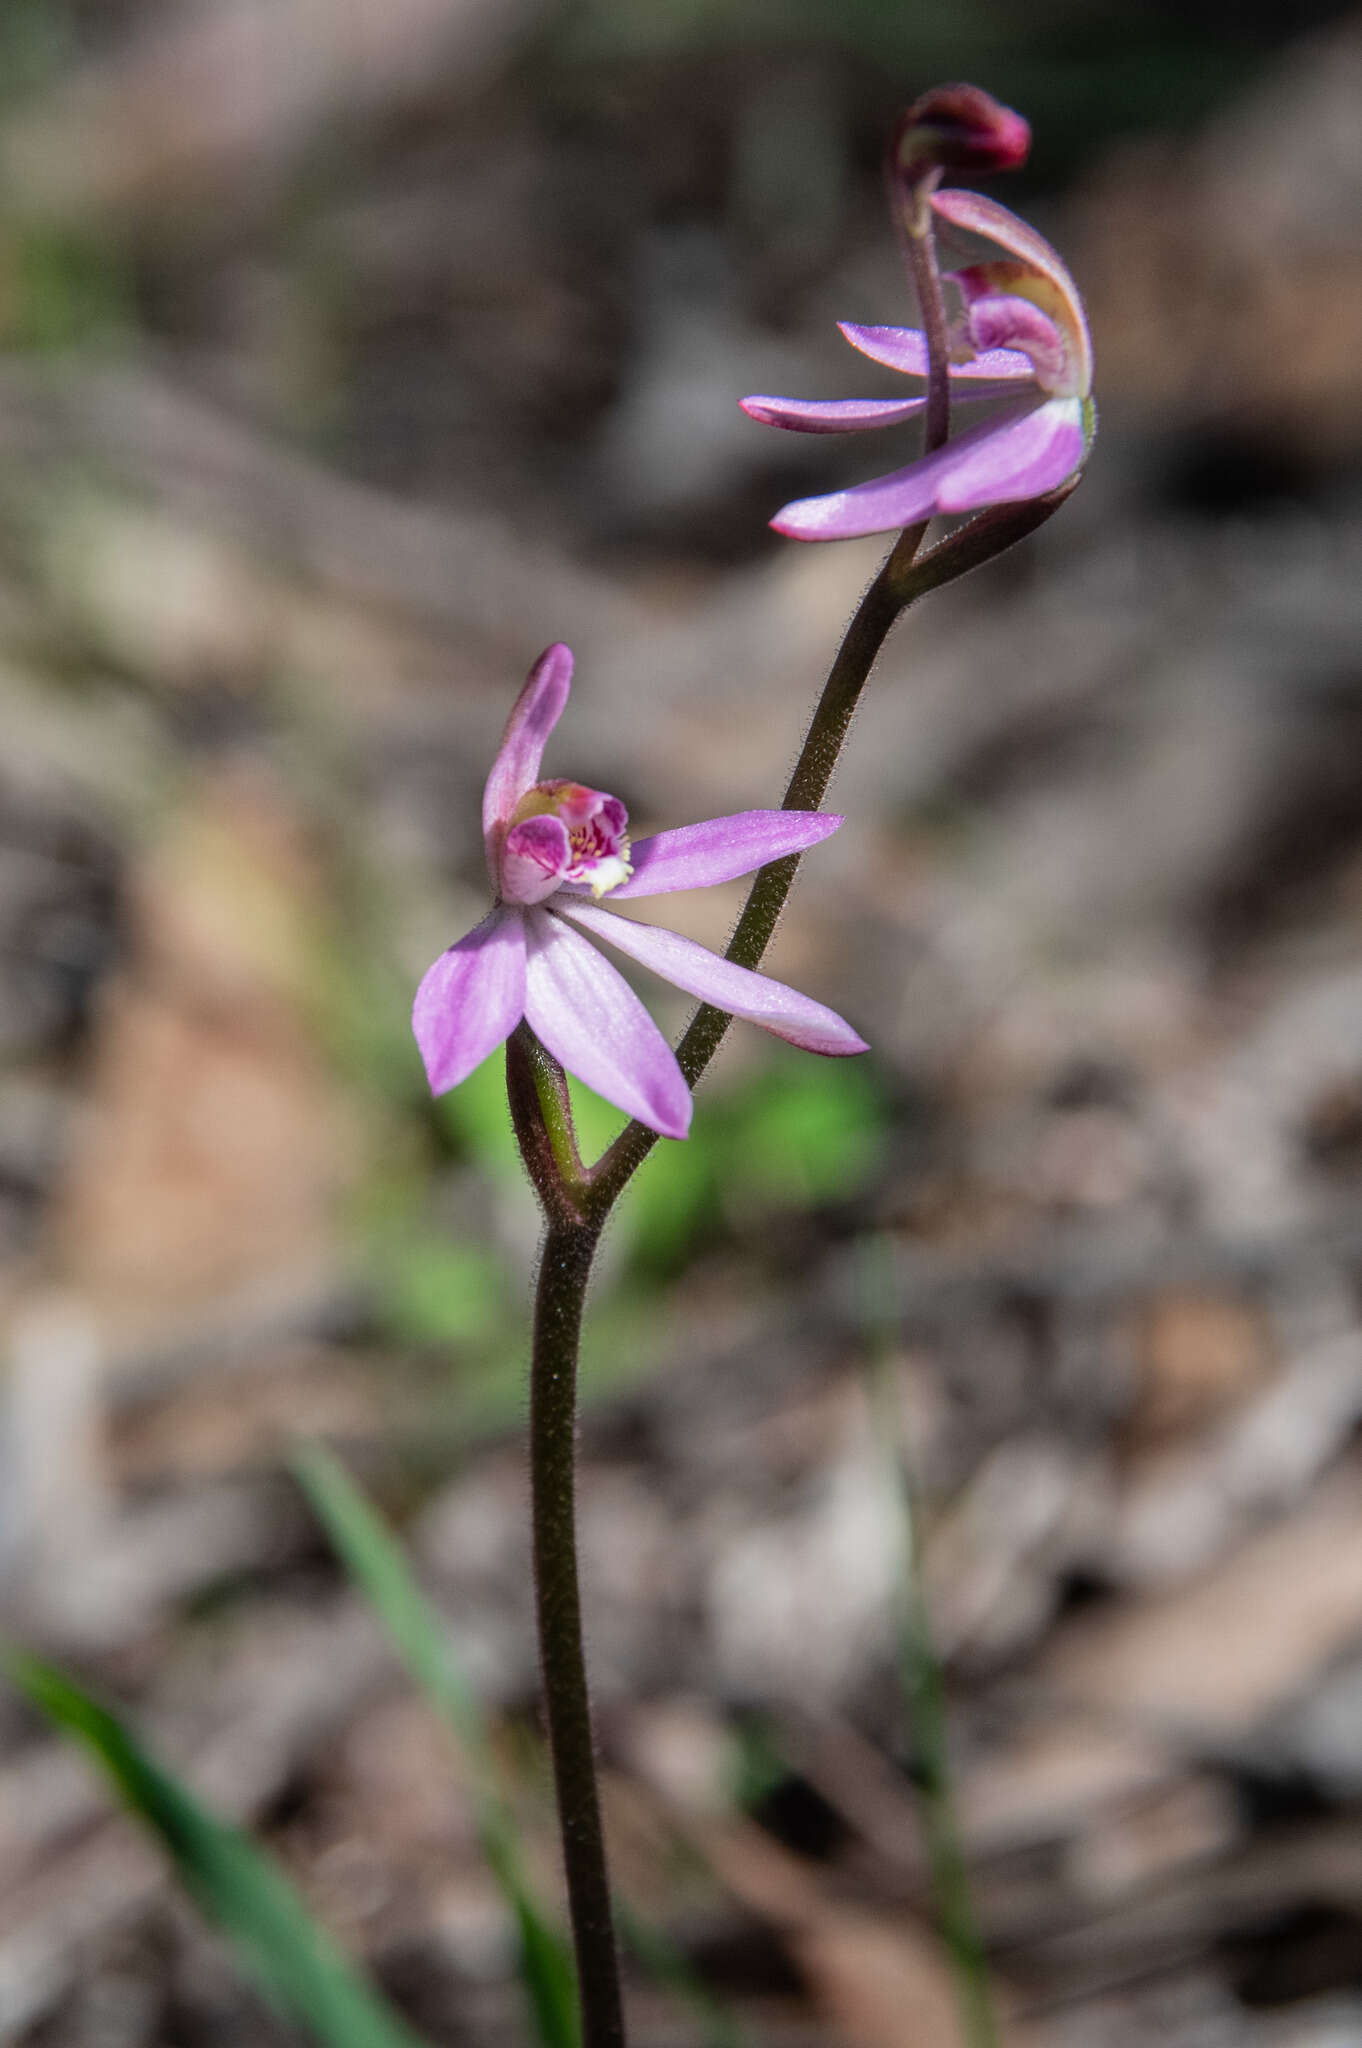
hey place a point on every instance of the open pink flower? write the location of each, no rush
(553, 847)
(1020, 335)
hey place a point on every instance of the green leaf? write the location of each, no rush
(804, 1134)
(433, 1292)
(476, 1117)
(236, 1884)
(376, 1562)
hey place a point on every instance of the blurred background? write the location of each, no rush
(354, 349)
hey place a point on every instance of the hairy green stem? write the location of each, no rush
(541, 1112)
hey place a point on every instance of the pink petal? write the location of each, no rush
(535, 856)
(981, 215)
(1021, 458)
(905, 349)
(535, 713)
(888, 502)
(593, 1023)
(697, 856)
(830, 416)
(756, 997)
(471, 999)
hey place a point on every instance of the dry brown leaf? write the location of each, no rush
(878, 1986)
(216, 1147)
(1198, 1354)
(880, 1981)
(1219, 1653)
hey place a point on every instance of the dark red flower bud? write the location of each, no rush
(958, 128)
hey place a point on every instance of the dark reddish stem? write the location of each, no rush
(911, 207)
(560, 1298)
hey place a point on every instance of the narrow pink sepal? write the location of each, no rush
(1022, 459)
(534, 714)
(886, 503)
(720, 849)
(471, 999)
(585, 1012)
(535, 855)
(756, 997)
(830, 416)
(905, 349)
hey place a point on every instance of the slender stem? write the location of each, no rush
(771, 886)
(913, 216)
(576, 1202)
(904, 578)
(564, 1270)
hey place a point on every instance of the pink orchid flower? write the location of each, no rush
(1020, 335)
(553, 847)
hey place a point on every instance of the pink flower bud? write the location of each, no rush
(958, 128)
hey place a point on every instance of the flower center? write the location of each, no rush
(1010, 305)
(564, 832)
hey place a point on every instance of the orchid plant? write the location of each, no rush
(1005, 330)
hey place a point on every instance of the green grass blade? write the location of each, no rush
(375, 1560)
(236, 1884)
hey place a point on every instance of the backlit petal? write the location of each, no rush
(697, 856)
(1021, 459)
(905, 349)
(888, 502)
(756, 997)
(832, 415)
(471, 999)
(587, 1015)
(535, 713)
(981, 215)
